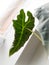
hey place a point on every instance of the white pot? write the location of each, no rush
(33, 54)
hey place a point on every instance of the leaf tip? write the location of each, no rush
(10, 52)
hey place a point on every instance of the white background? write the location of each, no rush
(5, 6)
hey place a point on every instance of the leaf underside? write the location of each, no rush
(21, 30)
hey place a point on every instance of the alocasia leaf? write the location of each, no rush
(21, 30)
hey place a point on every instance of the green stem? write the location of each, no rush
(35, 34)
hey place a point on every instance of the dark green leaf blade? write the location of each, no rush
(21, 32)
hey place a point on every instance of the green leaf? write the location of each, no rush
(21, 30)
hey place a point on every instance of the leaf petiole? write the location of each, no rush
(35, 34)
